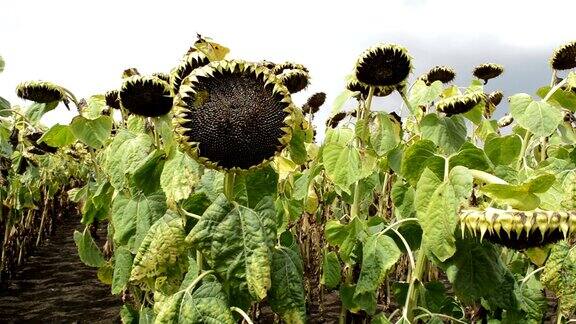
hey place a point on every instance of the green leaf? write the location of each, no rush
(539, 117)
(461, 180)
(237, 243)
(503, 150)
(124, 154)
(179, 176)
(206, 304)
(250, 187)
(379, 254)
(162, 252)
(136, 124)
(380, 318)
(58, 136)
(532, 300)
(560, 276)
(449, 133)
(423, 95)
(424, 189)
(146, 178)
(471, 157)
(2, 64)
(386, 134)
(122, 266)
(331, 275)
(417, 157)
(565, 99)
(344, 236)
(93, 133)
(475, 114)
(440, 221)
(287, 295)
(521, 196)
(340, 101)
(402, 195)
(297, 148)
(95, 105)
(88, 250)
(133, 216)
(476, 271)
(5, 108)
(37, 110)
(341, 160)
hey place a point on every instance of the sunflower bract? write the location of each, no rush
(383, 65)
(233, 115)
(191, 61)
(40, 91)
(146, 96)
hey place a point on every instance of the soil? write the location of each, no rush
(54, 286)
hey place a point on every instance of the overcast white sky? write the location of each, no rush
(85, 45)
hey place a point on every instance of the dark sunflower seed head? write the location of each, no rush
(146, 96)
(112, 99)
(459, 104)
(495, 97)
(267, 64)
(354, 85)
(192, 61)
(383, 65)
(443, 74)
(336, 119)
(295, 80)
(40, 91)
(313, 103)
(233, 115)
(488, 71)
(564, 57)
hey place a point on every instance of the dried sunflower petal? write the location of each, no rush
(162, 76)
(383, 65)
(112, 99)
(488, 71)
(40, 91)
(190, 62)
(146, 96)
(564, 57)
(295, 80)
(459, 104)
(443, 74)
(313, 103)
(233, 115)
(519, 229)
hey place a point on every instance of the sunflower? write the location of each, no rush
(459, 104)
(313, 103)
(41, 92)
(112, 99)
(162, 76)
(280, 68)
(129, 73)
(267, 64)
(505, 121)
(495, 97)
(443, 74)
(488, 71)
(383, 65)
(336, 119)
(564, 57)
(40, 146)
(190, 62)
(355, 86)
(518, 229)
(295, 80)
(233, 115)
(146, 96)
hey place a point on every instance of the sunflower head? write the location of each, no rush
(295, 80)
(383, 65)
(505, 121)
(495, 97)
(314, 102)
(162, 76)
(146, 96)
(191, 61)
(267, 64)
(518, 229)
(112, 99)
(443, 74)
(41, 92)
(488, 71)
(280, 68)
(333, 121)
(564, 57)
(459, 104)
(233, 115)
(353, 85)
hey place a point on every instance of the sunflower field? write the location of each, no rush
(223, 204)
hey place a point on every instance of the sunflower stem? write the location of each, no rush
(229, 178)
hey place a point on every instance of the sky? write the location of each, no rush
(85, 45)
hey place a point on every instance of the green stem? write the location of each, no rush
(486, 177)
(525, 141)
(343, 310)
(554, 89)
(229, 185)
(243, 314)
(412, 295)
(199, 261)
(355, 208)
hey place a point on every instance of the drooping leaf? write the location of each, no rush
(345, 236)
(37, 110)
(122, 266)
(287, 295)
(423, 95)
(539, 117)
(297, 148)
(93, 133)
(88, 251)
(331, 274)
(417, 157)
(386, 134)
(521, 196)
(341, 160)
(252, 186)
(95, 105)
(449, 133)
(146, 177)
(503, 150)
(560, 276)
(5, 108)
(471, 157)
(58, 136)
(179, 176)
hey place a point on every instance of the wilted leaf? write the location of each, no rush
(287, 295)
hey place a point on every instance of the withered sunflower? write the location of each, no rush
(295, 80)
(488, 71)
(162, 76)
(564, 57)
(459, 104)
(40, 146)
(505, 121)
(267, 64)
(336, 119)
(280, 68)
(353, 85)
(129, 73)
(41, 92)
(443, 74)
(146, 96)
(518, 229)
(190, 62)
(112, 99)
(313, 103)
(383, 65)
(233, 115)
(495, 97)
